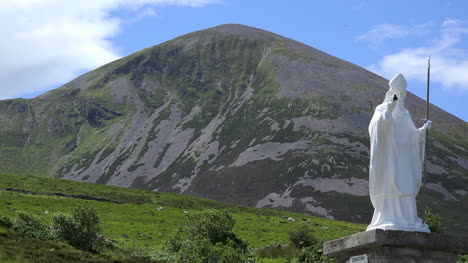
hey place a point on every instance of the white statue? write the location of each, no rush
(396, 160)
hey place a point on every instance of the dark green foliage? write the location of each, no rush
(301, 237)
(462, 259)
(207, 237)
(137, 215)
(227, 253)
(277, 252)
(6, 222)
(79, 229)
(216, 225)
(433, 221)
(314, 254)
(16, 248)
(201, 250)
(160, 256)
(28, 225)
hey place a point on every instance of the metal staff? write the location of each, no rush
(427, 115)
(427, 93)
(424, 175)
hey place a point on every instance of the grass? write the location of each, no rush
(280, 252)
(14, 249)
(138, 216)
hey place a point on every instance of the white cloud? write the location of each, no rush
(449, 62)
(48, 42)
(382, 32)
(449, 21)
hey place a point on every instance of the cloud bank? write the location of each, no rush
(49, 42)
(449, 58)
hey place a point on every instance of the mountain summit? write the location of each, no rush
(232, 113)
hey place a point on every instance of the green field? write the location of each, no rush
(134, 213)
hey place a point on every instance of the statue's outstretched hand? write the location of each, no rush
(427, 125)
(391, 105)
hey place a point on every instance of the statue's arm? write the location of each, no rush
(427, 125)
(389, 109)
(382, 119)
(422, 139)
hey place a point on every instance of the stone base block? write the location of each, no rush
(379, 246)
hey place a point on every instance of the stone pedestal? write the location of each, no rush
(379, 246)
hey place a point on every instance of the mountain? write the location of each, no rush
(231, 113)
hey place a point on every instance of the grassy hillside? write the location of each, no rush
(135, 212)
(17, 249)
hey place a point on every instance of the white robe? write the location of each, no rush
(396, 159)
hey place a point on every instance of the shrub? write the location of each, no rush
(28, 225)
(153, 254)
(226, 253)
(433, 221)
(277, 252)
(216, 225)
(207, 237)
(201, 250)
(174, 241)
(314, 254)
(301, 237)
(462, 259)
(79, 229)
(196, 250)
(6, 222)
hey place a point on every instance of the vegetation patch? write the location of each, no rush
(139, 225)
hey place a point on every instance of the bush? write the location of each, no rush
(277, 252)
(433, 221)
(28, 225)
(207, 237)
(174, 241)
(216, 225)
(462, 259)
(153, 254)
(201, 250)
(301, 237)
(314, 254)
(197, 250)
(6, 222)
(227, 253)
(79, 229)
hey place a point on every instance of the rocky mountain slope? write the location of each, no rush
(231, 113)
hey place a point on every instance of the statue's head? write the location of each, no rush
(397, 87)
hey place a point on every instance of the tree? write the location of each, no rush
(207, 237)
(314, 254)
(29, 225)
(301, 237)
(79, 229)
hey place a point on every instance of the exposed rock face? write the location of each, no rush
(231, 113)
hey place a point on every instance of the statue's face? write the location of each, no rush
(398, 88)
(401, 96)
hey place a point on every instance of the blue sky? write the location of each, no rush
(53, 41)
